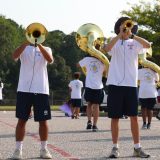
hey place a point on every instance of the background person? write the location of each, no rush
(1, 93)
(158, 102)
(93, 88)
(33, 90)
(75, 87)
(122, 82)
(147, 94)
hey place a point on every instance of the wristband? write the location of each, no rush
(132, 36)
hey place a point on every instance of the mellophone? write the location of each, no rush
(36, 33)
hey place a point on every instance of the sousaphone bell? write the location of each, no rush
(36, 33)
(87, 38)
(146, 63)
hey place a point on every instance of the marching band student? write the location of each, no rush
(75, 87)
(147, 94)
(122, 82)
(33, 90)
(158, 101)
(93, 88)
(1, 88)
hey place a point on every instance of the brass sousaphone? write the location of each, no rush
(88, 36)
(36, 33)
(146, 63)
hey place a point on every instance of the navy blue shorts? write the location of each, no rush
(122, 100)
(39, 102)
(94, 96)
(76, 103)
(147, 103)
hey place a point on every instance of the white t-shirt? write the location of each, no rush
(123, 69)
(1, 87)
(33, 76)
(76, 86)
(95, 69)
(147, 79)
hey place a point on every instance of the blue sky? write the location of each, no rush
(66, 15)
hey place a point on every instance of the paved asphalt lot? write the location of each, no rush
(69, 140)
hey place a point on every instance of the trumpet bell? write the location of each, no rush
(36, 33)
(128, 24)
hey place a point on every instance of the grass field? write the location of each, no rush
(53, 108)
(12, 108)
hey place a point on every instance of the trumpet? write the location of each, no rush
(36, 33)
(128, 25)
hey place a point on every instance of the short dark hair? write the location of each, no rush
(77, 75)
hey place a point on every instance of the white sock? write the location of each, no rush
(116, 145)
(136, 146)
(19, 145)
(44, 145)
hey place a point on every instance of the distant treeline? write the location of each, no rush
(65, 50)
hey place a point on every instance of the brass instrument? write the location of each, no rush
(146, 63)
(87, 38)
(128, 25)
(36, 33)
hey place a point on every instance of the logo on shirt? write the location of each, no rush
(130, 46)
(148, 76)
(77, 85)
(94, 66)
(38, 53)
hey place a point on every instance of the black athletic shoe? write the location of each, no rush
(72, 117)
(94, 129)
(89, 125)
(114, 153)
(148, 126)
(140, 153)
(158, 117)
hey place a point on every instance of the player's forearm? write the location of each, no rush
(16, 54)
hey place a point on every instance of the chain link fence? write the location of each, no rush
(56, 97)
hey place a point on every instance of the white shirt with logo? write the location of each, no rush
(33, 76)
(123, 69)
(76, 86)
(148, 78)
(95, 69)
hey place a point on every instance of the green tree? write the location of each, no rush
(59, 76)
(70, 51)
(55, 40)
(10, 37)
